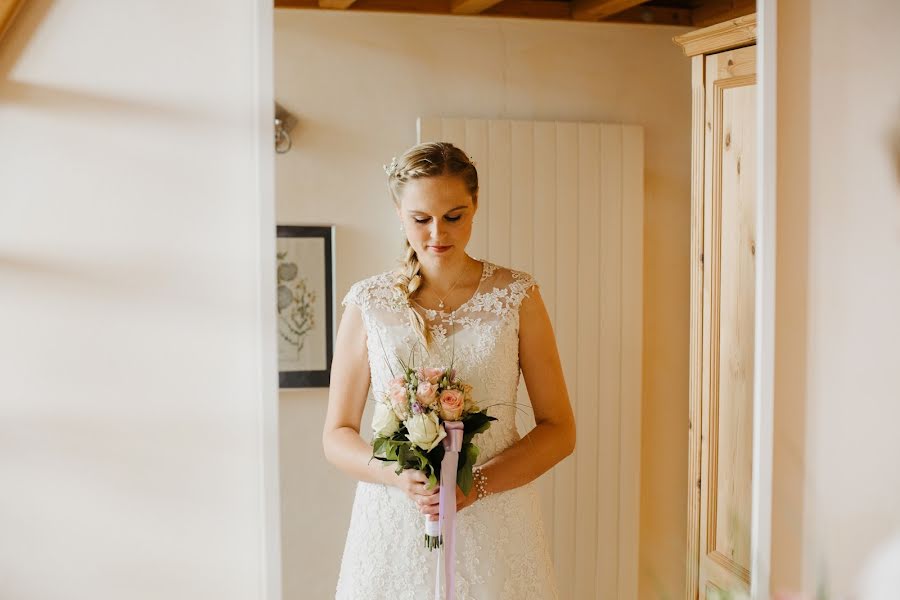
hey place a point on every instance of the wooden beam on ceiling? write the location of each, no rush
(593, 10)
(526, 9)
(530, 9)
(336, 4)
(472, 7)
(719, 11)
(654, 15)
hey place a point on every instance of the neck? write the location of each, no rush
(443, 275)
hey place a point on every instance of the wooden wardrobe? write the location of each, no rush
(723, 273)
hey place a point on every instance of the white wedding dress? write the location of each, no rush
(501, 551)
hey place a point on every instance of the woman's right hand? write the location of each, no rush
(413, 483)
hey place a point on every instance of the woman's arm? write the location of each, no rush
(347, 394)
(553, 438)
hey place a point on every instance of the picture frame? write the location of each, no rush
(305, 304)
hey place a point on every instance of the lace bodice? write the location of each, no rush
(480, 337)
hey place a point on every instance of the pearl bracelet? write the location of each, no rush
(480, 483)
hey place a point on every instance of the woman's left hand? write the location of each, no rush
(433, 508)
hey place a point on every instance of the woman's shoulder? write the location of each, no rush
(373, 290)
(505, 277)
(509, 285)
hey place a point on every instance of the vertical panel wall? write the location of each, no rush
(564, 201)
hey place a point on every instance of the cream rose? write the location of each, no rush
(385, 422)
(452, 403)
(425, 431)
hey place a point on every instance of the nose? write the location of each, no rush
(436, 229)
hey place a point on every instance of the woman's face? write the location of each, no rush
(436, 213)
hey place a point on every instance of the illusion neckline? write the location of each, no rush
(444, 313)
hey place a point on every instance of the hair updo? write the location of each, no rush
(431, 159)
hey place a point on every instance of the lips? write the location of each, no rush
(440, 248)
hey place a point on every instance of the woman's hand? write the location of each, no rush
(413, 482)
(431, 507)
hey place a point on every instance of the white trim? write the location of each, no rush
(270, 499)
(764, 346)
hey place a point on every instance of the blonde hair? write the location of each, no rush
(431, 159)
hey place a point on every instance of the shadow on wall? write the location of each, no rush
(894, 146)
(14, 38)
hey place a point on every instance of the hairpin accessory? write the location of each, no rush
(391, 169)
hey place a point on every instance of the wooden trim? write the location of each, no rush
(730, 566)
(8, 11)
(717, 38)
(695, 427)
(336, 4)
(471, 7)
(590, 10)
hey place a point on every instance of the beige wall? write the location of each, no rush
(357, 82)
(837, 395)
(137, 348)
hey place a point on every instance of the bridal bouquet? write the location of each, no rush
(412, 419)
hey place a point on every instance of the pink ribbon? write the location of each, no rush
(447, 509)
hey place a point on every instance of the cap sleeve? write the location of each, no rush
(522, 286)
(354, 295)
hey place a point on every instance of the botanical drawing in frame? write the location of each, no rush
(305, 297)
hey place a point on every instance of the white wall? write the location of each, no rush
(837, 395)
(358, 81)
(136, 324)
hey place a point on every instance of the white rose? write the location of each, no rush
(385, 423)
(425, 430)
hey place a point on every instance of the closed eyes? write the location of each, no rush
(450, 219)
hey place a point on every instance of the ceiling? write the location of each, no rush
(696, 13)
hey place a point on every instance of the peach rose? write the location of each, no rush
(452, 403)
(469, 404)
(426, 394)
(400, 402)
(431, 375)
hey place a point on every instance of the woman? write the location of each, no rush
(492, 321)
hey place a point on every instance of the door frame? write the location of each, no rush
(263, 14)
(764, 303)
(764, 336)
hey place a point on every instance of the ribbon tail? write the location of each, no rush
(448, 527)
(447, 509)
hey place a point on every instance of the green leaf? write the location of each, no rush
(464, 477)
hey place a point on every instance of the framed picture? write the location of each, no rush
(305, 276)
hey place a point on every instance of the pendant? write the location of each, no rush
(441, 305)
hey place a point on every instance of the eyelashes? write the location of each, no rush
(451, 219)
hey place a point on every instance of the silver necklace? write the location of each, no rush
(441, 300)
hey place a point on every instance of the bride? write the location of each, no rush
(494, 323)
